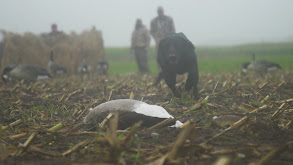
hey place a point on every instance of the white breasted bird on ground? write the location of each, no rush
(103, 67)
(262, 66)
(27, 72)
(130, 112)
(55, 68)
(84, 68)
(244, 67)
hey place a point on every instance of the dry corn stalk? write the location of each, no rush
(115, 143)
(172, 156)
(110, 96)
(102, 124)
(265, 99)
(278, 110)
(12, 124)
(3, 152)
(215, 87)
(184, 134)
(236, 125)
(223, 161)
(18, 136)
(287, 126)
(279, 85)
(263, 84)
(76, 147)
(56, 127)
(163, 123)
(76, 127)
(38, 150)
(187, 123)
(72, 94)
(259, 108)
(25, 145)
(274, 153)
(131, 95)
(198, 104)
(286, 101)
(131, 132)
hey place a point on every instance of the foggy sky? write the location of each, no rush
(205, 22)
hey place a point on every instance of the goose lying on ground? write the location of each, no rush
(103, 67)
(262, 66)
(55, 68)
(84, 68)
(130, 112)
(244, 67)
(26, 72)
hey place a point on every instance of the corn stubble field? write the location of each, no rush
(254, 124)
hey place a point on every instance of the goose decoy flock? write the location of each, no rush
(27, 72)
(55, 68)
(130, 112)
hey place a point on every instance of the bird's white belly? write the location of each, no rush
(42, 77)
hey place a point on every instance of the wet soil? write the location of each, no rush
(44, 104)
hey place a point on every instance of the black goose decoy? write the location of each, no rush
(103, 67)
(130, 112)
(84, 68)
(244, 67)
(27, 72)
(262, 66)
(54, 68)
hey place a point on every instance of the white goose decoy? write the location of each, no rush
(54, 68)
(130, 112)
(263, 66)
(27, 72)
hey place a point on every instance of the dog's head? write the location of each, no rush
(172, 55)
(174, 49)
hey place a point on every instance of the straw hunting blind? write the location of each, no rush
(69, 50)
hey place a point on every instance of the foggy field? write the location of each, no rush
(71, 92)
(39, 121)
(42, 122)
(210, 59)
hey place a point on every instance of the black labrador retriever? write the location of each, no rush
(176, 55)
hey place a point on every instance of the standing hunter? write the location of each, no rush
(161, 26)
(140, 42)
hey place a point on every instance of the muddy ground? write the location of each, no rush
(264, 135)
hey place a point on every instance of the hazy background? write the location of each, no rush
(205, 22)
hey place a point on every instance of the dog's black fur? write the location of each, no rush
(176, 55)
